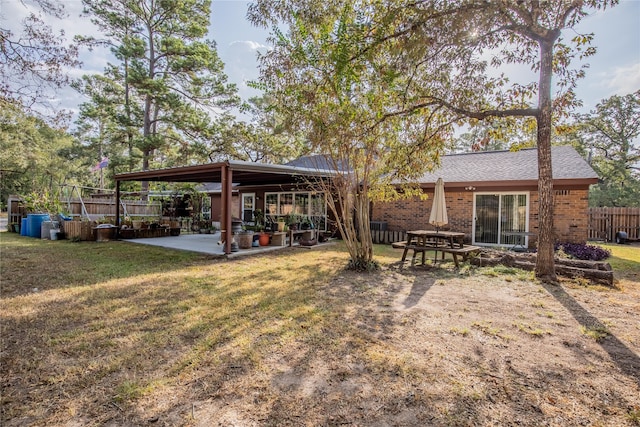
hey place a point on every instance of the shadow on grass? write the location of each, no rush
(624, 358)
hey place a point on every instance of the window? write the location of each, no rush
(248, 206)
(308, 205)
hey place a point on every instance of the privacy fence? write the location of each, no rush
(604, 223)
(93, 208)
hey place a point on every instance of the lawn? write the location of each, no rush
(122, 334)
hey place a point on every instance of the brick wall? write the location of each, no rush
(570, 213)
(413, 214)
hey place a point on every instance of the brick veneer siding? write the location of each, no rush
(570, 214)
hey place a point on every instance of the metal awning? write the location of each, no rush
(229, 173)
(244, 173)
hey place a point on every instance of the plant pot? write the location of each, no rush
(245, 239)
(263, 239)
(137, 224)
(104, 232)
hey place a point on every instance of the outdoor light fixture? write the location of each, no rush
(470, 188)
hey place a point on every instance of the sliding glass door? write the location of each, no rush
(497, 214)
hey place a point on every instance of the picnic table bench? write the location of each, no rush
(421, 241)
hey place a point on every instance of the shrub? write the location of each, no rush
(583, 251)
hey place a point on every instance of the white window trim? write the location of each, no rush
(242, 208)
(500, 194)
(309, 193)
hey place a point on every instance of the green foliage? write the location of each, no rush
(172, 78)
(33, 155)
(349, 106)
(363, 265)
(43, 201)
(265, 138)
(378, 84)
(609, 133)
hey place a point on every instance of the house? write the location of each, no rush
(490, 193)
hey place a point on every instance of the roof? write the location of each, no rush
(244, 173)
(490, 167)
(318, 161)
(500, 166)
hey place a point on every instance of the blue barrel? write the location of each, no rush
(34, 222)
(23, 227)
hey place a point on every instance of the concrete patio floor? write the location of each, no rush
(201, 243)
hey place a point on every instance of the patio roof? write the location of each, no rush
(228, 173)
(244, 173)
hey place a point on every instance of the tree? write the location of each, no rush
(32, 153)
(441, 54)
(507, 133)
(264, 137)
(98, 125)
(33, 59)
(609, 133)
(350, 107)
(169, 68)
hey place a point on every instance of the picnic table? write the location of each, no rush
(421, 241)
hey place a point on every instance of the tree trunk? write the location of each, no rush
(545, 268)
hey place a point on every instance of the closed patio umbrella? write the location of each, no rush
(438, 216)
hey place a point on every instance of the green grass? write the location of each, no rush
(624, 259)
(82, 263)
(595, 332)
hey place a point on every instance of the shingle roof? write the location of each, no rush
(509, 166)
(316, 161)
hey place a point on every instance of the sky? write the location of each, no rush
(614, 70)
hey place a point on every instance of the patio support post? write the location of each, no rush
(227, 178)
(117, 209)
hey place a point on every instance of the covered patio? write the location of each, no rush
(231, 174)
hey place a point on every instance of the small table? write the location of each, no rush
(520, 237)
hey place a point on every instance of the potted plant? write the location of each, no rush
(259, 217)
(293, 221)
(245, 239)
(136, 222)
(307, 224)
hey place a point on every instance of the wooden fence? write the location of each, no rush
(96, 208)
(388, 237)
(604, 223)
(101, 207)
